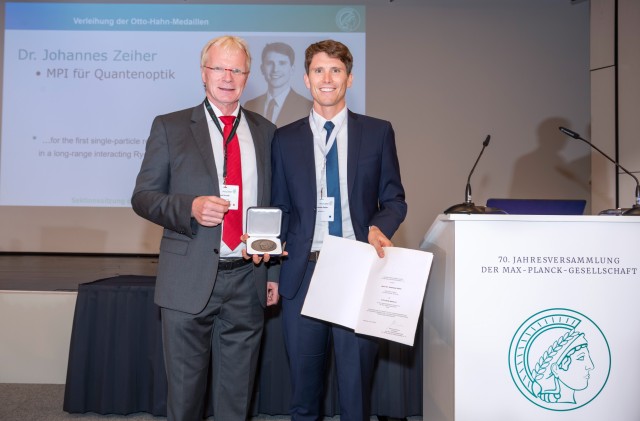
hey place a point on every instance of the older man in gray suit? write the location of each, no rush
(203, 167)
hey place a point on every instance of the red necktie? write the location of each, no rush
(232, 228)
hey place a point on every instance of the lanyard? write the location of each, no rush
(324, 145)
(225, 142)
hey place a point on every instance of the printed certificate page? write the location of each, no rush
(351, 286)
(393, 295)
(339, 280)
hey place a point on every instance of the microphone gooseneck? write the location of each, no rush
(467, 191)
(468, 206)
(635, 209)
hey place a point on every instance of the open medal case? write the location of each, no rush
(263, 227)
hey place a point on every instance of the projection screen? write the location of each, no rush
(81, 84)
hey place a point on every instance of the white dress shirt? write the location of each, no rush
(320, 149)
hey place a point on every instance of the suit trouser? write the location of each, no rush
(307, 341)
(226, 334)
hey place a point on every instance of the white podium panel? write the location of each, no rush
(532, 318)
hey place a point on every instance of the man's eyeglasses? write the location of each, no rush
(220, 70)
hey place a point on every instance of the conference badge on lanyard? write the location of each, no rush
(230, 193)
(326, 208)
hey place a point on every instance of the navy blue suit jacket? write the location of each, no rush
(376, 195)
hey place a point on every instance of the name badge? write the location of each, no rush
(326, 209)
(230, 193)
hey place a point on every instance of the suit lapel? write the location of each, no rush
(260, 144)
(305, 147)
(298, 151)
(354, 142)
(286, 109)
(202, 137)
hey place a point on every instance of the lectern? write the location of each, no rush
(532, 318)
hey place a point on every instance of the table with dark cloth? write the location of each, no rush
(116, 360)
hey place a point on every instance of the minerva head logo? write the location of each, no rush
(559, 359)
(348, 19)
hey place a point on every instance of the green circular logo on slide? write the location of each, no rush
(348, 19)
(559, 359)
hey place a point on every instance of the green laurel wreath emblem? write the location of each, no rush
(544, 348)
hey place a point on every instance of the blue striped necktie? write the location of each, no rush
(333, 183)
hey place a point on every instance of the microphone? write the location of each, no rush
(468, 206)
(635, 209)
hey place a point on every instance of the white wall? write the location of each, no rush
(629, 94)
(459, 70)
(615, 66)
(36, 332)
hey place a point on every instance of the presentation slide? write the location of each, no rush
(81, 84)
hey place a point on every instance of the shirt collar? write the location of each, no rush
(218, 113)
(319, 120)
(279, 98)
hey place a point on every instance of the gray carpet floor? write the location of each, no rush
(43, 402)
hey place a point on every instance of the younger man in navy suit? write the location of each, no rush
(334, 172)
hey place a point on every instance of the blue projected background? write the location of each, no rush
(82, 83)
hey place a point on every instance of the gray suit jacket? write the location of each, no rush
(295, 106)
(177, 167)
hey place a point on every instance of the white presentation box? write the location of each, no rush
(263, 227)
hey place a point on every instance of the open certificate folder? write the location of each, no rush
(353, 287)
